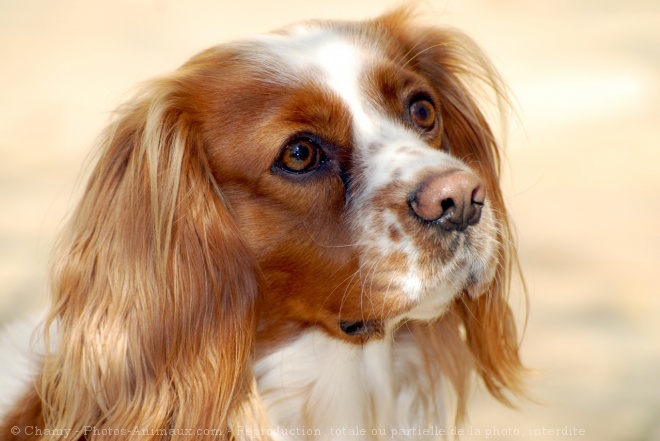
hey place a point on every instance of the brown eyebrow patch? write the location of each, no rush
(391, 86)
(311, 107)
(387, 86)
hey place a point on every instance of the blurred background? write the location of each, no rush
(582, 170)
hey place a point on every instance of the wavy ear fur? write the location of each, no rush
(477, 335)
(154, 288)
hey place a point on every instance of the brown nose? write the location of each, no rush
(453, 200)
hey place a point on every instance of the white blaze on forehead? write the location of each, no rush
(343, 63)
(331, 59)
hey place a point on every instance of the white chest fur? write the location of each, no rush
(332, 390)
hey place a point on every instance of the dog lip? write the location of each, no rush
(359, 328)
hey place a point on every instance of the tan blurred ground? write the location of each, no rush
(583, 175)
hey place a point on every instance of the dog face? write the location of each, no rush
(343, 153)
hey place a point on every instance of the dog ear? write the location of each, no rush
(154, 288)
(479, 333)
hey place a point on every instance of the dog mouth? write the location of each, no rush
(425, 296)
(419, 278)
(431, 304)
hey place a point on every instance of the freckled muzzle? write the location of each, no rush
(427, 234)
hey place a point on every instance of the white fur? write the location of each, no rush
(21, 352)
(317, 383)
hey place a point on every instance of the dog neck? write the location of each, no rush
(322, 387)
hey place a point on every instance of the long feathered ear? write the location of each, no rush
(478, 334)
(154, 289)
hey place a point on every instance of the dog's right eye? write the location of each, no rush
(422, 113)
(301, 156)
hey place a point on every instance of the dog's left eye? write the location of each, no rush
(422, 113)
(300, 156)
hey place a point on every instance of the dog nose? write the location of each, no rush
(453, 200)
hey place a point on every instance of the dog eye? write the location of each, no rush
(300, 156)
(422, 113)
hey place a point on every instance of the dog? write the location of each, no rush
(298, 235)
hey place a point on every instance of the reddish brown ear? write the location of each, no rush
(154, 288)
(477, 334)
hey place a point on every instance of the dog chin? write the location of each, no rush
(437, 300)
(434, 304)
